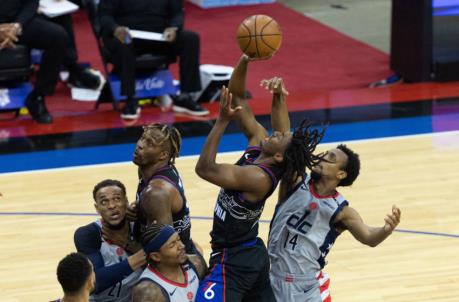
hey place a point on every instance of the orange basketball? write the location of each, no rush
(259, 36)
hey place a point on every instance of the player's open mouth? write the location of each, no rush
(115, 216)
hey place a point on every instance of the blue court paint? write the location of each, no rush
(195, 218)
(191, 146)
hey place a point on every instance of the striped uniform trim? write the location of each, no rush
(324, 282)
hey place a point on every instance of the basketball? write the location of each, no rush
(259, 36)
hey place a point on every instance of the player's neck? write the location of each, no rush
(174, 273)
(79, 297)
(322, 188)
(122, 228)
(265, 160)
(148, 171)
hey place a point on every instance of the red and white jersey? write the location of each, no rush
(176, 292)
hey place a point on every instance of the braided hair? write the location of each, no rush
(171, 136)
(151, 231)
(299, 154)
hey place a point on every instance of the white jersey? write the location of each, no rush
(301, 233)
(176, 292)
(120, 292)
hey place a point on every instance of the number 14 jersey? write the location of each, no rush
(302, 231)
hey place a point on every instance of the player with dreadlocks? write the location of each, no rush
(171, 274)
(239, 259)
(160, 193)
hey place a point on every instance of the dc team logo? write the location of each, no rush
(4, 97)
(304, 223)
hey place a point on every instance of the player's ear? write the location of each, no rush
(341, 174)
(164, 155)
(155, 256)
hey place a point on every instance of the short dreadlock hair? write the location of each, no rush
(171, 136)
(299, 154)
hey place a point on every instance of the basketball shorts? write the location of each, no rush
(292, 288)
(238, 273)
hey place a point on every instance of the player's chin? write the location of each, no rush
(136, 160)
(182, 258)
(115, 222)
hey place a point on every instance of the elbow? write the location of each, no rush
(200, 169)
(368, 242)
(372, 243)
(204, 171)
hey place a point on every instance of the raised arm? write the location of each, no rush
(224, 175)
(371, 236)
(279, 112)
(245, 118)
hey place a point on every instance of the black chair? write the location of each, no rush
(15, 70)
(15, 64)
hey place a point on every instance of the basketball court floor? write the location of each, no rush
(408, 140)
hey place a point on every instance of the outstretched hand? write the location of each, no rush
(392, 220)
(275, 86)
(226, 110)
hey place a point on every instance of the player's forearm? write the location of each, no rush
(376, 236)
(110, 275)
(237, 81)
(207, 160)
(280, 120)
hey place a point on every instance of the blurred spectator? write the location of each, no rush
(163, 16)
(20, 24)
